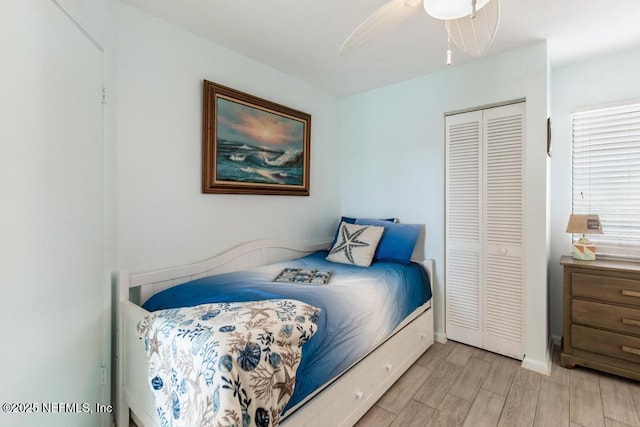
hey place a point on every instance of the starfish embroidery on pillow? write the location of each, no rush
(349, 241)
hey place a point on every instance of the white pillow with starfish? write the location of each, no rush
(356, 244)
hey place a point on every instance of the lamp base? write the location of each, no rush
(584, 252)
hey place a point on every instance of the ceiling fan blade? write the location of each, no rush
(475, 35)
(381, 21)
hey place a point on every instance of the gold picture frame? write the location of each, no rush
(253, 146)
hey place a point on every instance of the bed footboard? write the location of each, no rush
(135, 394)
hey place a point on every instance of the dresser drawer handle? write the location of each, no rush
(631, 322)
(630, 293)
(630, 350)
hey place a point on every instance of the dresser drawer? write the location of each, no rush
(622, 319)
(609, 289)
(607, 343)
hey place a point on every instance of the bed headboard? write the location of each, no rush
(139, 287)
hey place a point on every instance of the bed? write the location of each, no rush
(341, 400)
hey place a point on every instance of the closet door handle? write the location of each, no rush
(631, 350)
(630, 293)
(631, 322)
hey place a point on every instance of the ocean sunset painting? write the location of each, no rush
(258, 148)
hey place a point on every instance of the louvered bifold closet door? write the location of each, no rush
(503, 229)
(463, 221)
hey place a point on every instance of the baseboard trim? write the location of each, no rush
(440, 337)
(540, 366)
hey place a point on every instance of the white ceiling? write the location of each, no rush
(301, 37)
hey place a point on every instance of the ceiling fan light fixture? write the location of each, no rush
(452, 9)
(475, 35)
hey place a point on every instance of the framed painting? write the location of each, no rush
(253, 146)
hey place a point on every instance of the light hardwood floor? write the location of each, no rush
(454, 384)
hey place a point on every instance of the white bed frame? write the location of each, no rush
(341, 403)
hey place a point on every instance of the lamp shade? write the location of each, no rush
(451, 9)
(584, 224)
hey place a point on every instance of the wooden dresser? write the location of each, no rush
(601, 323)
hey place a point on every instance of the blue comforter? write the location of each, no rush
(360, 308)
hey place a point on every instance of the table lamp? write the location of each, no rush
(583, 249)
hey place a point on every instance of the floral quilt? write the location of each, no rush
(226, 364)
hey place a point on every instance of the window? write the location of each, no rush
(606, 175)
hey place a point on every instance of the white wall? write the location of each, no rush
(163, 218)
(56, 290)
(604, 80)
(393, 160)
(50, 195)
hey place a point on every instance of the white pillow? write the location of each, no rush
(355, 244)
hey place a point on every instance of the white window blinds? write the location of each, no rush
(606, 175)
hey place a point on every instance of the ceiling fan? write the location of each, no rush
(470, 24)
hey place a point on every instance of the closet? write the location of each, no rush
(484, 262)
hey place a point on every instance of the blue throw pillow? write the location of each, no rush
(398, 240)
(350, 220)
